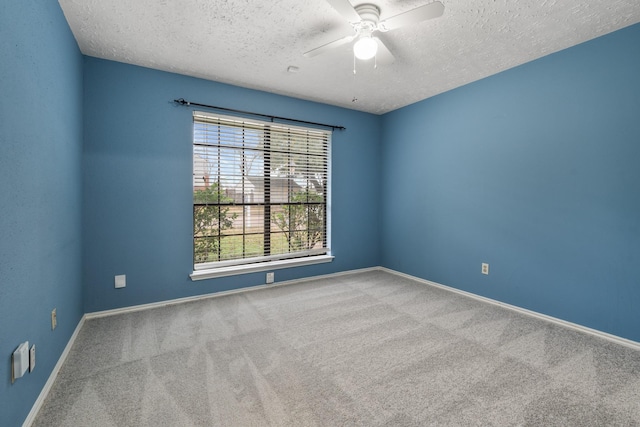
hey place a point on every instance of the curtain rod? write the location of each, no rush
(182, 101)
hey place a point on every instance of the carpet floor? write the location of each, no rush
(366, 349)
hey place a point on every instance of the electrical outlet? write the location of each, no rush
(32, 358)
(270, 277)
(54, 319)
(485, 268)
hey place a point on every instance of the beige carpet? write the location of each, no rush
(367, 349)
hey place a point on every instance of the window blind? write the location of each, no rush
(259, 191)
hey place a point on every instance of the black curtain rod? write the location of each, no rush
(181, 101)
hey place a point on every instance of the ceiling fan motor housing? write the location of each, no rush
(370, 15)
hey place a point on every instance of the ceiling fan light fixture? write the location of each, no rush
(365, 48)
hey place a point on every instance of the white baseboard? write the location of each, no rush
(52, 377)
(609, 337)
(140, 307)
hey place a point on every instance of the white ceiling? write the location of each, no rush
(251, 43)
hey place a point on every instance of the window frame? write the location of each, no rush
(221, 268)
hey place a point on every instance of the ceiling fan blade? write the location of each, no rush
(384, 55)
(344, 8)
(326, 47)
(419, 14)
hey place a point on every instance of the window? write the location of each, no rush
(259, 195)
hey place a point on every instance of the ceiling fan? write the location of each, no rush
(365, 20)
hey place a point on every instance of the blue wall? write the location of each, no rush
(535, 171)
(137, 194)
(40, 190)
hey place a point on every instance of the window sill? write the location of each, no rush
(260, 266)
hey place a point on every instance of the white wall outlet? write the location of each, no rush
(54, 319)
(121, 281)
(270, 277)
(485, 268)
(32, 358)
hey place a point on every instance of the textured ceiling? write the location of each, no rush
(252, 43)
